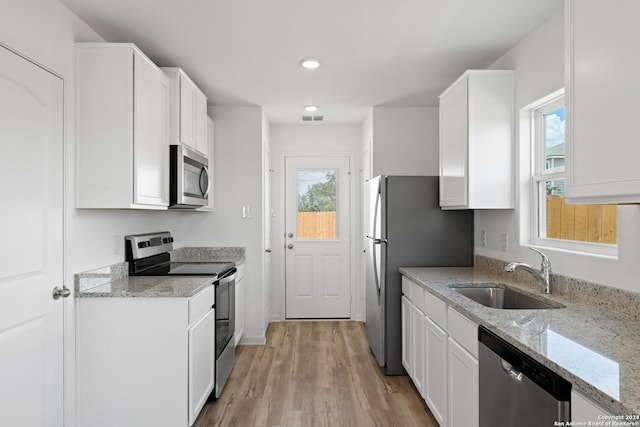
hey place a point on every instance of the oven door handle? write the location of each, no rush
(228, 277)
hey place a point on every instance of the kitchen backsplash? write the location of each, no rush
(207, 253)
(608, 298)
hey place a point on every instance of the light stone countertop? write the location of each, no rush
(113, 281)
(593, 346)
(149, 287)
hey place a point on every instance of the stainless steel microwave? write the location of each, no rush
(189, 179)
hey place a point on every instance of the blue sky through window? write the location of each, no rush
(554, 127)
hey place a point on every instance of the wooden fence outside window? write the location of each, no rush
(316, 225)
(586, 223)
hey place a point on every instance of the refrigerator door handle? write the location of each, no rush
(375, 270)
(377, 241)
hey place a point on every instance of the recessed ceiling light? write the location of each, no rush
(311, 108)
(310, 63)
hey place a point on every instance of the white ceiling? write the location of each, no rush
(373, 52)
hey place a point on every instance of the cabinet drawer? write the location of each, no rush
(417, 296)
(201, 303)
(406, 287)
(463, 330)
(436, 310)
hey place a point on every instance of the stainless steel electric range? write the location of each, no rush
(148, 255)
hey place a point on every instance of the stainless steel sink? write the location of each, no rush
(499, 297)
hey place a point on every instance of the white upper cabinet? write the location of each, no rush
(602, 86)
(188, 111)
(122, 129)
(476, 141)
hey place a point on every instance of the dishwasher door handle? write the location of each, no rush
(508, 368)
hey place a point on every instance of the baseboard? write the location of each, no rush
(253, 340)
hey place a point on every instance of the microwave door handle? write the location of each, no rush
(204, 176)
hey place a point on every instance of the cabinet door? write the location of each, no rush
(240, 302)
(188, 93)
(602, 92)
(201, 363)
(435, 370)
(463, 387)
(583, 409)
(453, 145)
(201, 141)
(151, 134)
(406, 334)
(417, 347)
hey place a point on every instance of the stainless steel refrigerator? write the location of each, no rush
(405, 227)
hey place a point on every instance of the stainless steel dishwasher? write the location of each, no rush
(515, 390)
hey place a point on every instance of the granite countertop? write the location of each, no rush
(113, 281)
(592, 345)
(149, 287)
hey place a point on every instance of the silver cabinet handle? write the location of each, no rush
(57, 292)
(290, 246)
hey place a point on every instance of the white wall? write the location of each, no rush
(238, 182)
(539, 64)
(404, 140)
(313, 140)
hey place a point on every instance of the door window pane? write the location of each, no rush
(317, 195)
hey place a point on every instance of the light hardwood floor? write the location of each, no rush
(314, 374)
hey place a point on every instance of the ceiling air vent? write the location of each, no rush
(312, 118)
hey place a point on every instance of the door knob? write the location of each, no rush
(57, 292)
(290, 246)
(290, 235)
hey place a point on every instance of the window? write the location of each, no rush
(317, 194)
(589, 228)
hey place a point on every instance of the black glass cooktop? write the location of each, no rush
(188, 269)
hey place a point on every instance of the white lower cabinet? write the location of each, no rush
(144, 361)
(440, 354)
(417, 348)
(201, 363)
(241, 296)
(435, 370)
(406, 334)
(583, 409)
(462, 386)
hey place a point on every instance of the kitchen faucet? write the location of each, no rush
(543, 275)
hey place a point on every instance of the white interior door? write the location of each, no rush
(268, 237)
(31, 190)
(317, 237)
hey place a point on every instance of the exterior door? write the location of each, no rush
(31, 189)
(317, 237)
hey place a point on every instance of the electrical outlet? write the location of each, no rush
(504, 242)
(483, 238)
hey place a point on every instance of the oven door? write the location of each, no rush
(225, 326)
(189, 178)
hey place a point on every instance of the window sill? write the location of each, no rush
(599, 250)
